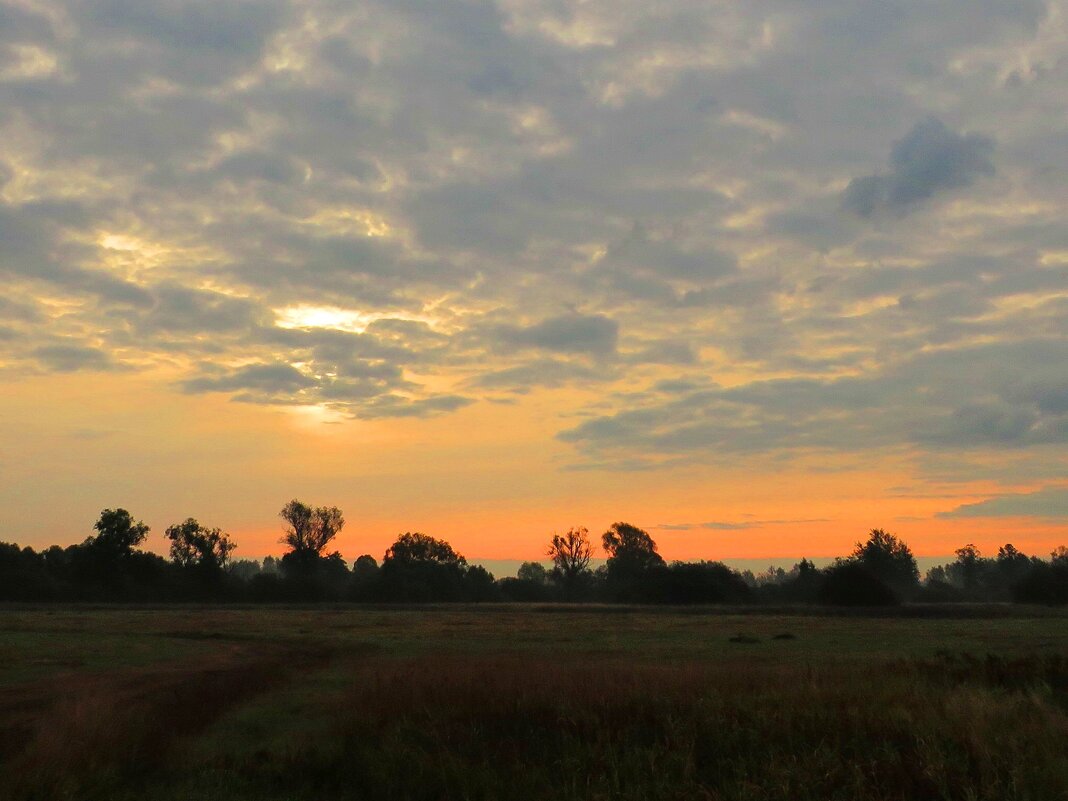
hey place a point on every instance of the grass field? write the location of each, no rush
(520, 702)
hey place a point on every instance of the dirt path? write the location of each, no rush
(61, 737)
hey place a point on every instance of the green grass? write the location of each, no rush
(520, 702)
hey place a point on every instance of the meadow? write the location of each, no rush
(532, 702)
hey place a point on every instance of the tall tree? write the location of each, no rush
(308, 530)
(570, 554)
(630, 548)
(117, 534)
(414, 547)
(889, 559)
(418, 567)
(194, 545)
(631, 556)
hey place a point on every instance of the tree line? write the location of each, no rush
(881, 570)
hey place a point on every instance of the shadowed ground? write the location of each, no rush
(531, 702)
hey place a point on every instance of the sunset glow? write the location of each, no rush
(490, 271)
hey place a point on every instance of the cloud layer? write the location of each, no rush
(731, 229)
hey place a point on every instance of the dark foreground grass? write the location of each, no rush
(463, 704)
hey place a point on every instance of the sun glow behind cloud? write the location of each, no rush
(332, 317)
(530, 262)
(324, 317)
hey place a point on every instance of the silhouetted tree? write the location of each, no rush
(418, 567)
(890, 560)
(1045, 582)
(24, 575)
(691, 583)
(799, 584)
(194, 545)
(1012, 567)
(531, 583)
(310, 574)
(414, 547)
(479, 584)
(852, 583)
(631, 555)
(243, 570)
(571, 554)
(365, 579)
(308, 530)
(534, 572)
(630, 546)
(966, 571)
(107, 567)
(365, 566)
(117, 534)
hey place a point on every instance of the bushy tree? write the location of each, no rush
(852, 583)
(692, 583)
(365, 566)
(194, 545)
(364, 585)
(967, 571)
(1044, 583)
(532, 582)
(890, 560)
(418, 567)
(630, 547)
(414, 547)
(632, 555)
(534, 573)
(117, 534)
(23, 574)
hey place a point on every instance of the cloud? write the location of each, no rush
(451, 177)
(72, 358)
(523, 378)
(1048, 503)
(265, 379)
(964, 398)
(180, 309)
(394, 406)
(568, 333)
(930, 159)
(197, 41)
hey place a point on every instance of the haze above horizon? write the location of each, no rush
(755, 277)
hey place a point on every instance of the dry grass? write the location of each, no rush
(505, 727)
(285, 705)
(79, 736)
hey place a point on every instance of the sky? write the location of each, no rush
(757, 277)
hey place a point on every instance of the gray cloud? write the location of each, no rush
(929, 159)
(195, 41)
(268, 379)
(958, 399)
(180, 309)
(1049, 503)
(567, 333)
(452, 175)
(72, 358)
(523, 378)
(395, 406)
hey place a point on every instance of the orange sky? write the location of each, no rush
(492, 270)
(491, 480)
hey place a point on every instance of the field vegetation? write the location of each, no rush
(532, 702)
